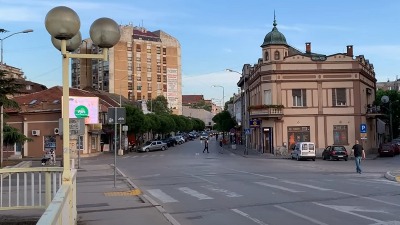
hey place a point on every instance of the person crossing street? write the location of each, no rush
(206, 146)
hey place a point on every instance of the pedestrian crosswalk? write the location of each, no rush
(281, 186)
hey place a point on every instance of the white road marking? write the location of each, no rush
(255, 174)
(227, 193)
(200, 178)
(194, 193)
(164, 198)
(277, 187)
(347, 209)
(301, 215)
(248, 217)
(144, 155)
(307, 185)
(134, 156)
(369, 198)
(125, 157)
(153, 155)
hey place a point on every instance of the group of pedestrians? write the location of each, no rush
(206, 145)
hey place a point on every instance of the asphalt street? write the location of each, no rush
(223, 187)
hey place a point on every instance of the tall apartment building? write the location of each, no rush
(141, 66)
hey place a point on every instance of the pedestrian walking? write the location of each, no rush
(359, 153)
(205, 146)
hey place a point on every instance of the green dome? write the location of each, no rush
(274, 37)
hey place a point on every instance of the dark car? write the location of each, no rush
(396, 144)
(171, 142)
(387, 149)
(335, 152)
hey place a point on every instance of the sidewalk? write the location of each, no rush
(100, 203)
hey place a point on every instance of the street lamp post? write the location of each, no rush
(246, 121)
(63, 25)
(2, 107)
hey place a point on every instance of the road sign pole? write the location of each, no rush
(115, 145)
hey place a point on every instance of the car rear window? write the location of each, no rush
(304, 146)
(311, 146)
(339, 148)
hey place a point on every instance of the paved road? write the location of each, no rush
(199, 188)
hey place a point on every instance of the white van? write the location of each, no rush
(303, 150)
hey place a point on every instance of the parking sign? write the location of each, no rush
(363, 128)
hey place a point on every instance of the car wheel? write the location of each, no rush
(147, 149)
(330, 158)
(323, 157)
(345, 159)
(163, 149)
(313, 159)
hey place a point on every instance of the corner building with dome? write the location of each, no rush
(294, 96)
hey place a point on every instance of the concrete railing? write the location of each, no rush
(62, 209)
(22, 188)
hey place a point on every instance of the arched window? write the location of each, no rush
(277, 55)
(266, 56)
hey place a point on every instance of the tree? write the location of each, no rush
(159, 105)
(224, 121)
(393, 104)
(8, 87)
(13, 136)
(134, 120)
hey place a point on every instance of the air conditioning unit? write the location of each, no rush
(35, 132)
(56, 131)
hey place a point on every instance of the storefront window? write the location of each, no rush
(49, 143)
(340, 135)
(298, 134)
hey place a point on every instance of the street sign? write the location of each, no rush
(247, 131)
(255, 122)
(76, 126)
(121, 115)
(363, 128)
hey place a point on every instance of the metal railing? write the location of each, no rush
(39, 188)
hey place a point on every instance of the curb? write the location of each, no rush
(390, 176)
(146, 198)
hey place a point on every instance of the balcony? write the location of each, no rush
(373, 111)
(266, 110)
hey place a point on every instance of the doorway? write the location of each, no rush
(268, 140)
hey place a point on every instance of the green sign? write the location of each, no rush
(81, 111)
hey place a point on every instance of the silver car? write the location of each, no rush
(154, 145)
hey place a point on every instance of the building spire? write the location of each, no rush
(274, 20)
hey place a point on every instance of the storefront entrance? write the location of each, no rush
(268, 140)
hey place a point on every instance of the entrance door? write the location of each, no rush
(268, 141)
(18, 149)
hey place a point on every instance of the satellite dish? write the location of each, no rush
(385, 99)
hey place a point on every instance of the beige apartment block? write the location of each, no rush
(304, 96)
(141, 66)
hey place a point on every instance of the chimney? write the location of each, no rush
(308, 47)
(349, 50)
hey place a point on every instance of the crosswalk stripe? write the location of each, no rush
(163, 197)
(277, 187)
(307, 185)
(194, 193)
(301, 215)
(227, 193)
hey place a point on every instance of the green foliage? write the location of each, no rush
(198, 124)
(394, 105)
(159, 105)
(201, 105)
(8, 87)
(224, 121)
(134, 119)
(13, 136)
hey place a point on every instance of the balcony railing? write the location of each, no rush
(266, 111)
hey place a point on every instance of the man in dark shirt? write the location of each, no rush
(205, 146)
(359, 153)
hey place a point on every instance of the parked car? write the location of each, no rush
(171, 142)
(203, 136)
(387, 149)
(396, 143)
(303, 150)
(335, 152)
(179, 140)
(154, 145)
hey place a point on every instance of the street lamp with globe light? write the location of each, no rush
(63, 24)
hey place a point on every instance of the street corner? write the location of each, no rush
(393, 176)
(397, 178)
(133, 192)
